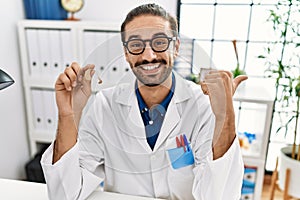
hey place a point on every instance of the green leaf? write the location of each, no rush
(297, 90)
(237, 71)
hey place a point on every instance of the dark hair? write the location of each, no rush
(149, 9)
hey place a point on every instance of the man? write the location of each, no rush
(159, 136)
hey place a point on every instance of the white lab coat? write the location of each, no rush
(112, 146)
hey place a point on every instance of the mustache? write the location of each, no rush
(143, 62)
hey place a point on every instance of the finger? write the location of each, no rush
(207, 87)
(222, 76)
(229, 74)
(236, 81)
(227, 78)
(86, 73)
(204, 74)
(219, 73)
(63, 83)
(89, 72)
(204, 88)
(76, 67)
(59, 85)
(216, 84)
(72, 72)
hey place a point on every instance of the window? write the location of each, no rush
(214, 24)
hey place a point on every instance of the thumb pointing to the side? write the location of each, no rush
(237, 80)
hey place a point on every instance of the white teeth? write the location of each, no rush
(150, 67)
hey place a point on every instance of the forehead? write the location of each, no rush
(146, 26)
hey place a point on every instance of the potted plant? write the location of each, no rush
(285, 70)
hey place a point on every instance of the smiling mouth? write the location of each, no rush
(150, 67)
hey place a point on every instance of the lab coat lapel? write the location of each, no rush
(174, 111)
(135, 122)
(132, 120)
(171, 120)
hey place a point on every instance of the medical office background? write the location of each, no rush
(211, 24)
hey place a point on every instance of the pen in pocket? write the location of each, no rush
(186, 142)
(181, 141)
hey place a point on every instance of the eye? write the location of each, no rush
(160, 41)
(135, 44)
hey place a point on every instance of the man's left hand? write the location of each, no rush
(220, 86)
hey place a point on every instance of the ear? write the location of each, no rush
(176, 50)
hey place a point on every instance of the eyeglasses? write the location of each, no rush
(158, 44)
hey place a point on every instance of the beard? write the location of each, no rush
(152, 80)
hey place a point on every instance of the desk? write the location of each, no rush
(16, 190)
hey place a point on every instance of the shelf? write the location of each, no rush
(35, 82)
(68, 25)
(254, 148)
(46, 48)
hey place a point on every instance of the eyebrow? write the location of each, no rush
(160, 34)
(133, 36)
(154, 35)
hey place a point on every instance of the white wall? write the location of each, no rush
(14, 152)
(115, 10)
(14, 148)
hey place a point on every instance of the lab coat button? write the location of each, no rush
(153, 157)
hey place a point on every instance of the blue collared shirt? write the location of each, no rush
(154, 117)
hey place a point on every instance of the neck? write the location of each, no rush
(155, 94)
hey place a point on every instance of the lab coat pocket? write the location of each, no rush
(180, 174)
(180, 171)
(180, 158)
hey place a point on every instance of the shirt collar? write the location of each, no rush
(164, 103)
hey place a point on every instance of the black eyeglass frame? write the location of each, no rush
(170, 39)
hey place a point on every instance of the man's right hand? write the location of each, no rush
(73, 88)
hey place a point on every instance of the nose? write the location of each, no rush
(148, 53)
